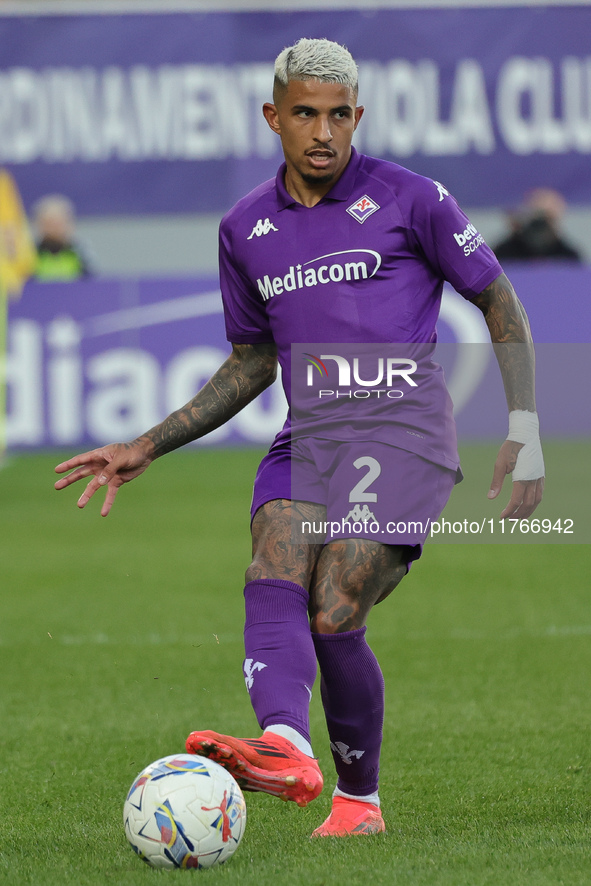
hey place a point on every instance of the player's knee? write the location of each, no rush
(346, 618)
(283, 567)
(395, 578)
(260, 568)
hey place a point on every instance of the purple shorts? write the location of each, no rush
(368, 489)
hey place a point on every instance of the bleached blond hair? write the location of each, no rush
(321, 60)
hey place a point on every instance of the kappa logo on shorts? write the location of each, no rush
(362, 209)
(360, 515)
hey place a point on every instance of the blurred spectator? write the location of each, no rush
(59, 255)
(535, 230)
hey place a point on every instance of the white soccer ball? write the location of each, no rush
(184, 811)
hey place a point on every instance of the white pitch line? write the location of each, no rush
(100, 639)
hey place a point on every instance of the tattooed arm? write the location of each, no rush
(511, 336)
(248, 370)
(245, 374)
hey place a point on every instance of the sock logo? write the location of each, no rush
(344, 752)
(250, 667)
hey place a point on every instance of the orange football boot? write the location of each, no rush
(271, 764)
(349, 818)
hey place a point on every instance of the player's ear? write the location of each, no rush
(272, 117)
(358, 114)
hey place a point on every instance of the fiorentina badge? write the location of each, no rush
(362, 209)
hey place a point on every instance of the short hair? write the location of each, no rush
(321, 60)
(54, 204)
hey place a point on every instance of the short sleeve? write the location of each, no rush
(451, 243)
(244, 312)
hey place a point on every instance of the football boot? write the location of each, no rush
(271, 764)
(348, 818)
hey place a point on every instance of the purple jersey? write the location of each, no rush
(364, 265)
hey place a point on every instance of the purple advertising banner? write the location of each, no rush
(98, 360)
(161, 112)
(102, 360)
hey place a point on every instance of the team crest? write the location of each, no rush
(345, 752)
(362, 209)
(250, 668)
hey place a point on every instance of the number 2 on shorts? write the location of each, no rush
(374, 469)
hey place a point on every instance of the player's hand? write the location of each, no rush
(110, 466)
(525, 495)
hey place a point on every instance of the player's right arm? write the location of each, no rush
(249, 369)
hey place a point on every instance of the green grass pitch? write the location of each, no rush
(119, 636)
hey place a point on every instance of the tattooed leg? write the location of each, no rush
(274, 555)
(280, 662)
(350, 578)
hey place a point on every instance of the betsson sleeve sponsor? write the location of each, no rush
(451, 243)
(244, 311)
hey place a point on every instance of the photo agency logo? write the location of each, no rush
(359, 377)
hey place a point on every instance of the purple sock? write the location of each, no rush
(280, 662)
(352, 688)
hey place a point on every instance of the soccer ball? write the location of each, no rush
(184, 811)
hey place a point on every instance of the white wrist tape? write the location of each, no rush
(524, 427)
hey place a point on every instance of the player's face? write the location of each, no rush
(316, 122)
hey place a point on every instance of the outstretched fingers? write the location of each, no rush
(79, 474)
(82, 466)
(93, 464)
(91, 488)
(110, 467)
(112, 490)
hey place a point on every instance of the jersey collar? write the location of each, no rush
(341, 191)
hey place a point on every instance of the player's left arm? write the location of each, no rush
(521, 453)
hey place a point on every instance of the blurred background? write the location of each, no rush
(128, 127)
(131, 127)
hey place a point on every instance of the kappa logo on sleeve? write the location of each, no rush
(362, 209)
(443, 192)
(261, 228)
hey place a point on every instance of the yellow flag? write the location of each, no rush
(17, 262)
(17, 250)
